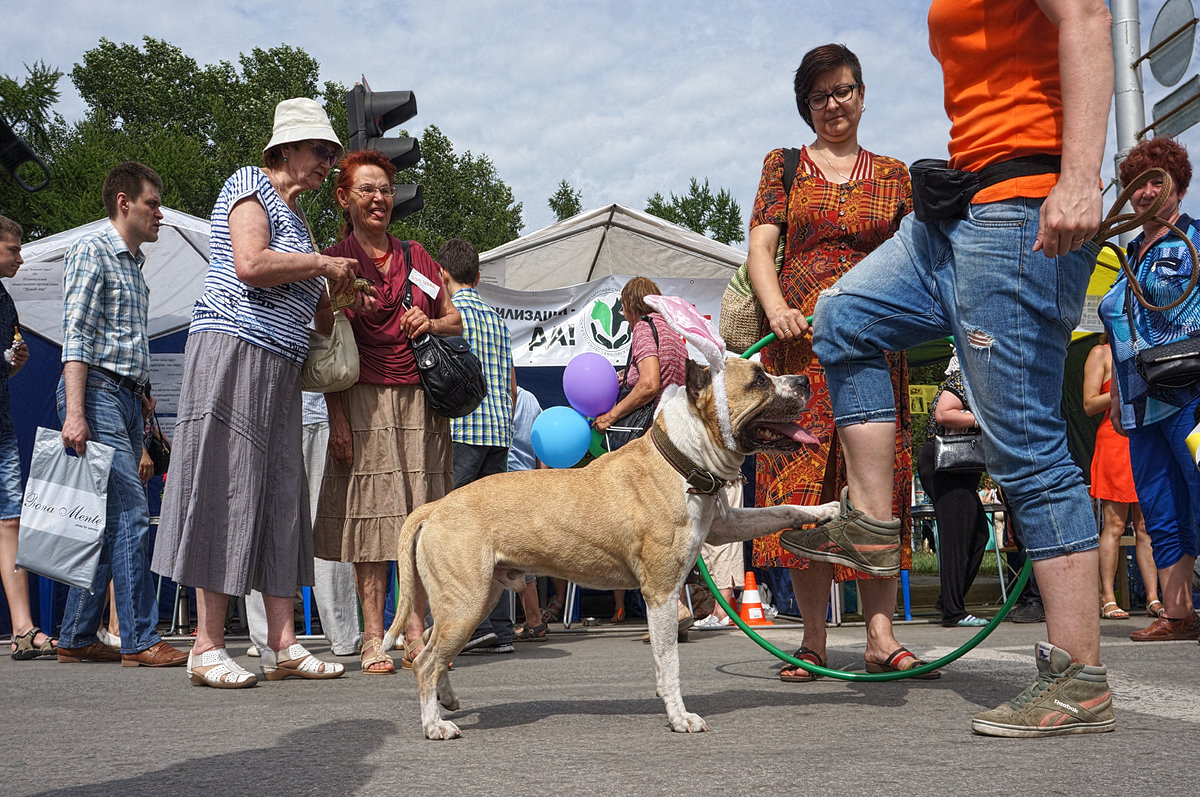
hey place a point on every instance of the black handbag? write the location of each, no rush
(156, 445)
(959, 452)
(940, 192)
(635, 424)
(1170, 366)
(451, 374)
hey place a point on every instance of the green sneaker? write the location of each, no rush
(1065, 698)
(850, 539)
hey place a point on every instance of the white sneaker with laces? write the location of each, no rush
(711, 623)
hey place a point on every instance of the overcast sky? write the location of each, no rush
(620, 99)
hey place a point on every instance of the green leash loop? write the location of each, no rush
(817, 669)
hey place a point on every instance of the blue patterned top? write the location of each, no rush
(1163, 273)
(491, 423)
(106, 305)
(276, 318)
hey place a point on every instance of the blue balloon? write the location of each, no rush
(561, 436)
(590, 384)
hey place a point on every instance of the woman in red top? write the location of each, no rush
(388, 452)
(844, 202)
(1112, 485)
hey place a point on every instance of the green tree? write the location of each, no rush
(566, 202)
(719, 217)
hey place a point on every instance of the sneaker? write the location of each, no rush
(711, 623)
(850, 539)
(1065, 698)
(483, 640)
(487, 650)
(1027, 612)
(971, 621)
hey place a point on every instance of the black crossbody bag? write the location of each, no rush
(635, 424)
(940, 192)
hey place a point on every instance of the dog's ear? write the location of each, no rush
(698, 378)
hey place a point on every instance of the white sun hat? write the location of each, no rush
(301, 119)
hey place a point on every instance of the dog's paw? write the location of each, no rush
(688, 722)
(827, 512)
(442, 729)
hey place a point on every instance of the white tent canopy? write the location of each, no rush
(176, 265)
(608, 241)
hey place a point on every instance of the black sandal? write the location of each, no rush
(23, 647)
(531, 633)
(553, 612)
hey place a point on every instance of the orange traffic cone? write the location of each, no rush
(752, 609)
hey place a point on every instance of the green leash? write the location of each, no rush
(817, 669)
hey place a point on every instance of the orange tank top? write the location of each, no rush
(1002, 91)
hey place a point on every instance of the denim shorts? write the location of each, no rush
(11, 493)
(1011, 311)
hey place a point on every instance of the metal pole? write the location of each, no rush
(1127, 84)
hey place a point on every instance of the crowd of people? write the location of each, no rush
(1004, 271)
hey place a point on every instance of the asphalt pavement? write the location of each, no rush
(577, 715)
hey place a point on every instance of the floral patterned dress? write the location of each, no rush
(830, 227)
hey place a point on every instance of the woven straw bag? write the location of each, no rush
(741, 321)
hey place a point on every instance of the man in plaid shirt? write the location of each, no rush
(481, 439)
(101, 396)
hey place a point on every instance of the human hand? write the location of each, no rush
(145, 466)
(341, 273)
(148, 404)
(341, 441)
(415, 323)
(1069, 216)
(788, 324)
(75, 433)
(602, 423)
(20, 356)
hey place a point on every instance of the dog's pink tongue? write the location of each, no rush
(795, 431)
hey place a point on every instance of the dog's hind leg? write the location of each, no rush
(433, 685)
(663, 622)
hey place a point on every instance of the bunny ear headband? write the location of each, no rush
(698, 331)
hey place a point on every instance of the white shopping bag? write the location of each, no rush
(64, 511)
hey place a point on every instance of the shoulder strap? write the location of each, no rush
(791, 161)
(629, 359)
(408, 299)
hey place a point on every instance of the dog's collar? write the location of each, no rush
(704, 482)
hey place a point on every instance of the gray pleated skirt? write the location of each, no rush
(235, 513)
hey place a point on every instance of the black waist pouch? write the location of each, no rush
(940, 192)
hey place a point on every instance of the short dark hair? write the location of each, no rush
(460, 259)
(10, 229)
(633, 295)
(816, 61)
(1161, 152)
(127, 178)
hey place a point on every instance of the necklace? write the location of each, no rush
(829, 163)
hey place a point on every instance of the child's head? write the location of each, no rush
(460, 261)
(10, 247)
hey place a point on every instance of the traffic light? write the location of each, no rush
(370, 114)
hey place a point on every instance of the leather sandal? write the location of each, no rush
(799, 675)
(531, 633)
(903, 660)
(372, 653)
(412, 648)
(216, 668)
(553, 611)
(23, 648)
(296, 662)
(1115, 613)
(1151, 611)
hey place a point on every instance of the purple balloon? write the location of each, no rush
(590, 384)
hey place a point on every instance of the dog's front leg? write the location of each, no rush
(663, 623)
(738, 524)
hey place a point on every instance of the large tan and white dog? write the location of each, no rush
(635, 518)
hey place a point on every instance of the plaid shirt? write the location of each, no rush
(490, 424)
(106, 306)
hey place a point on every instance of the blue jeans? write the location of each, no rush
(114, 415)
(1168, 485)
(11, 494)
(1011, 312)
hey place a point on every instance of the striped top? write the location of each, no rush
(491, 423)
(106, 305)
(276, 318)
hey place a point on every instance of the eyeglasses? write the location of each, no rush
(840, 94)
(324, 152)
(368, 191)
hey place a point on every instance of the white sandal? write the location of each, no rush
(217, 668)
(296, 662)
